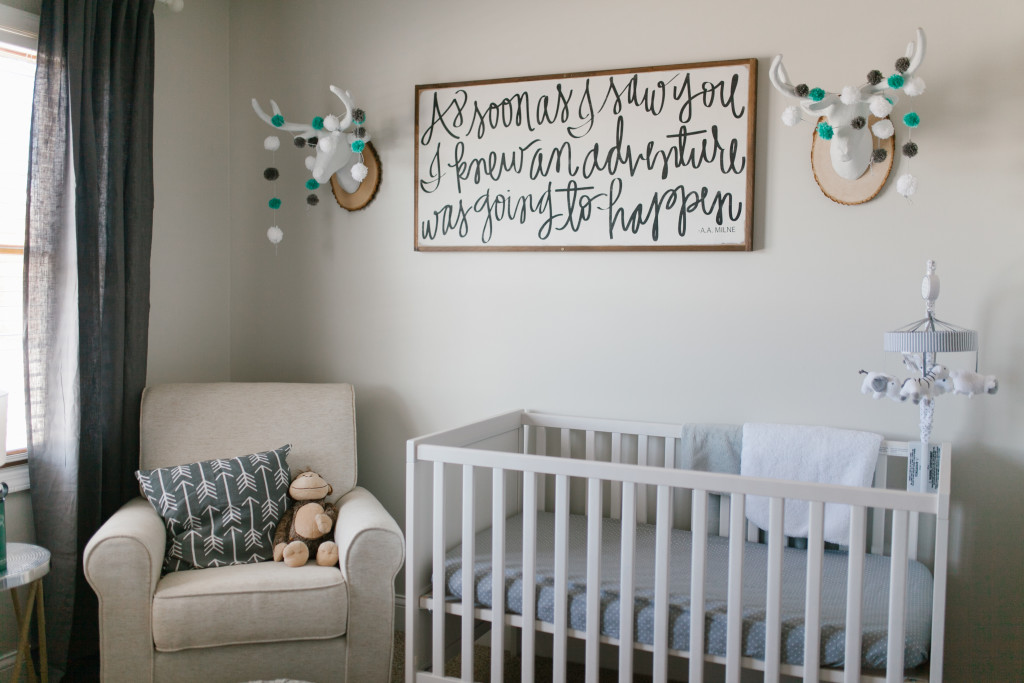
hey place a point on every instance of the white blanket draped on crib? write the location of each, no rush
(813, 454)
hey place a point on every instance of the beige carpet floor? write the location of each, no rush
(513, 667)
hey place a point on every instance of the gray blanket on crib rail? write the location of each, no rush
(755, 560)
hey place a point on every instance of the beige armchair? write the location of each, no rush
(252, 621)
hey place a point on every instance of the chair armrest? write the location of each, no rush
(371, 550)
(122, 563)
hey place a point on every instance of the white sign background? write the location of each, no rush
(656, 158)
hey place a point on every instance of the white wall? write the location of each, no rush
(434, 340)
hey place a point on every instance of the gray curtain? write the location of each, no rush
(90, 215)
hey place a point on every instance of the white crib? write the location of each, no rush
(600, 477)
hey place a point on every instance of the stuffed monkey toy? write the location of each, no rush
(305, 529)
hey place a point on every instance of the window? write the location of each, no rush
(17, 73)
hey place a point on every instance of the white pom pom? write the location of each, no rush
(791, 116)
(850, 95)
(331, 122)
(880, 106)
(359, 172)
(326, 144)
(271, 143)
(310, 162)
(882, 129)
(275, 234)
(914, 87)
(906, 184)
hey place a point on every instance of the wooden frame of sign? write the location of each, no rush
(656, 158)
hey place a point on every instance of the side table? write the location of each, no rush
(27, 564)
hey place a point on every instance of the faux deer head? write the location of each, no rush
(843, 118)
(339, 140)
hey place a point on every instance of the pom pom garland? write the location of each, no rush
(914, 87)
(878, 156)
(310, 162)
(910, 149)
(277, 120)
(271, 143)
(858, 122)
(358, 146)
(817, 94)
(895, 81)
(911, 119)
(802, 90)
(271, 173)
(359, 172)
(312, 184)
(331, 122)
(906, 184)
(902, 64)
(791, 116)
(882, 129)
(850, 95)
(317, 123)
(274, 203)
(275, 234)
(880, 106)
(825, 131)
(312, 200)
(875, 77)
(299, 141)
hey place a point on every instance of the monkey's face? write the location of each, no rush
(309, 486)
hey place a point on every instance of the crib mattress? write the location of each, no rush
(755, 562)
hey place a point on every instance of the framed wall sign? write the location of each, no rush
(651, 158)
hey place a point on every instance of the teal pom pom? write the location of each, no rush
(318, 123)
(825, 131)
(911, 119)
(274, 203)
(312, 184)
(817, 94)
(895, 81)
(357, 146)
(277, 120)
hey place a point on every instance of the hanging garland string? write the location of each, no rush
(271, 144)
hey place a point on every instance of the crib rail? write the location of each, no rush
(627, 471)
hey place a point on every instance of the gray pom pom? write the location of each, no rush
(802, 90)
(300, 142)
(902, 64)
(312, 141)
(910, 149)
(270, 173)
(878, 156)
(875, 77)
(858, 123)
(312, 200)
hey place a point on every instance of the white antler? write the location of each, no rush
(346, 99)
(302, 129)
(780, 79)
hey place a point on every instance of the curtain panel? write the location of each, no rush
(87, 255)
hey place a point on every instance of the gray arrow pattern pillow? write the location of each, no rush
(220, 512)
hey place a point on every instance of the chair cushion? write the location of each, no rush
(220, 512)
(250, 603)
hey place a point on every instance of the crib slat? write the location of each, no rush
(855, 592)
(897, 594)
(616, 486)
(812, 603)
(542, 449)
(438, 588)
(724, 516)
(626, 582)
(915, 521)
(773, 611)
(641, 459)
(939, 592)
(561, 572)
(498, 575)
(662, 535)
(594, 505)
(529, 610)
(698, 567)
(589, 451)
(878, 515)
(734, 639)
(468, 570)
(565, 450)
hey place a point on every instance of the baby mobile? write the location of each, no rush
(843, 117)
(338, 143)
